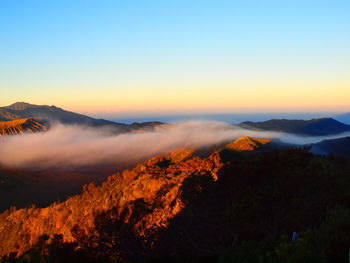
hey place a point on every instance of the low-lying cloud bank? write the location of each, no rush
(78, 146)
(67, 146)
(299, 139)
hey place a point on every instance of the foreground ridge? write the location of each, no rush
(228, 207)
(143, 199)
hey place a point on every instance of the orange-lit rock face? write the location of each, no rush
(143, 200)
(247, 143)
(27, 125)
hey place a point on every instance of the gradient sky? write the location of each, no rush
(181, 55)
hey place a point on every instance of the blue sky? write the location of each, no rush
(227, 56)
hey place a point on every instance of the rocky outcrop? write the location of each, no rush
(20, 126)
(247, 143)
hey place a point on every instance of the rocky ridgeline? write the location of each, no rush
(222, 206)
(20, 126)
(247, 143)
(138, 202)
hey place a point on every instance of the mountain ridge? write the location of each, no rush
(339, 146)
(21, 106)
(45, 113)
(247, 143)
(20, 126)
(169, 209)
(51, 113)
(313, 127)
(145, 184)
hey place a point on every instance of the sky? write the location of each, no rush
(176, 56)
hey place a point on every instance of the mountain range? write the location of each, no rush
(339, 146)
(23, 110)
(51, 113)
(45, 114)
(314, 127)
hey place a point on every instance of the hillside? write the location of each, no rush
(20, 126)
(152, 188)
(52, 113)
(203, 208)
(247, 143)
(5, 115)
(340, 146)
(314, 127)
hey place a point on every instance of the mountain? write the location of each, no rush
(153, 188)
(345, 118)
(51, 113)
(189, 207)
(340, 146)
(314, 127)
(20, 126)
(19, 106)
(23, 110)
(5, 115)
(247, 143)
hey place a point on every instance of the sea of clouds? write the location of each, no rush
(69, 146)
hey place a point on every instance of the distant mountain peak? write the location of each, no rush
(247, 143)
(21, 106)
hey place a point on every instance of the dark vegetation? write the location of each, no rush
(249, 214)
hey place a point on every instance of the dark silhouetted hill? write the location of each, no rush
(314, 127)
(51, 113)
(340, 146)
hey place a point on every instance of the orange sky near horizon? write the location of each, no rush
(249, 96)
